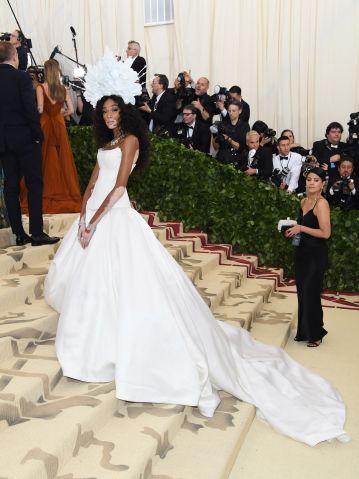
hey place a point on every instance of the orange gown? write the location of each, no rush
(61, 189)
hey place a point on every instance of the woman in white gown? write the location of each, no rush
(128, 312)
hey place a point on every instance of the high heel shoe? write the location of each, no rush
(314, 344)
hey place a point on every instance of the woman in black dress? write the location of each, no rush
(311, 258)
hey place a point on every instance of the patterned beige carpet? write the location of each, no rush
(52, 427)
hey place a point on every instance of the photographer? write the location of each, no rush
(329, 151)
(287, 166)
(161, 110)
(234, 93)
(343, 189)
(183, 91)
(267, 136)
(192, 133)
(17, 39)
(255, 160)
(230, 136)
(203, 102)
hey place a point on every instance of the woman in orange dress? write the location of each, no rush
(61, 189)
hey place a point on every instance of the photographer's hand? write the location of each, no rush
(334, 158)
(145, 108)
(250, 171)
(220, 105)
(351, 184)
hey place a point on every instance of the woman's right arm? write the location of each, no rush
(86, 196)
(89, 188)
(40, 99)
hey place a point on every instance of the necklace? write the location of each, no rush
(118, 139)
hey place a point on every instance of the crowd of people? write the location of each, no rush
(185, 112)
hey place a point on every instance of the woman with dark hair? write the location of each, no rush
(311, 258)
(61, 189)
(129, 314)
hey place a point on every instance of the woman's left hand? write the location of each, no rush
(293, 230)
(86, 237)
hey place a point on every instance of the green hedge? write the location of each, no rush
(189, 186)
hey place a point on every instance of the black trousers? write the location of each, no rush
(25, 161)
(310, 265)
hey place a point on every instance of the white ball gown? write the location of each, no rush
(128, 313)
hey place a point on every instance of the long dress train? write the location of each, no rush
(61, 189)
(129, 313)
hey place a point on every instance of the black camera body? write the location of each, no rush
(218, 129)
(221, 94)
(143, 98)
(279, 176)
(353, 124)
(162, 132)
(254, 165)
(341, 187)
(269, 133)
(5, 37)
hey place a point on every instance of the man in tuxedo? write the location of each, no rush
(287, 166)
(138, 63)
(255, 160)
(161, 111)
(235, 93)
(329, 151)
(192, 133)
(343, 188)
(20, 148)
(203, 102)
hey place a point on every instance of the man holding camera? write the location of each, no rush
(343, 188)
(287, 166)
(329, 151)
(230, 136)
(161, 110)
(255, 160)
(192, 133)
(234, 93)
(17, 39)
(203, 102)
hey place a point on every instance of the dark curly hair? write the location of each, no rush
(131, 122)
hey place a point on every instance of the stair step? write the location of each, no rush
(129, 444)
(16, 290)
(53, 430)
(207, 448)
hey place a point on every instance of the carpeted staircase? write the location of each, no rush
(53, 427)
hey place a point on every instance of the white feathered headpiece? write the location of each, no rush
(111, 77)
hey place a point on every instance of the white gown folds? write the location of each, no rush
(128, 313)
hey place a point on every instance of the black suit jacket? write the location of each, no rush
(164, 112)
(19, 118)
(322, 150)
(201, 136)
(139, 65)
(264, 160)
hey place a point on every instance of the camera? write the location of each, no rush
(37, 73)
(143, 98)
(279, 176)
(5, 37)
(353, 124)
(269, 133)
(221, 94)
(181, 135)
(309, 163)
(341, 187)
(254, 165)
(184, 92)
(161, 132)
(218, 129)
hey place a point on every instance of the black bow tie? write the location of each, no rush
(190, 127)
(283, 157)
